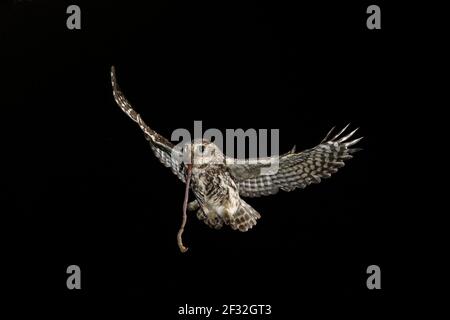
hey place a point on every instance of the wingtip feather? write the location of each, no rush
(341, 132)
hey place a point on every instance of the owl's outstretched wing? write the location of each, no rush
(162, 148)
(295, 170)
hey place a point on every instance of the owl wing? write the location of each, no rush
(162, 148)
(295, 170)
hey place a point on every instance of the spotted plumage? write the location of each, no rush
(218, 182)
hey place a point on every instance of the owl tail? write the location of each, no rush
(244, 218)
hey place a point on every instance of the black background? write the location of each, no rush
(85, 188)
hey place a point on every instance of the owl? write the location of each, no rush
(219, 183)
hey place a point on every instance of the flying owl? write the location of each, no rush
(219, 182)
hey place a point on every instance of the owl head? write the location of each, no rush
(202, 152)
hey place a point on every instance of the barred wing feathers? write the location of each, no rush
(162, 148)
(296, 170)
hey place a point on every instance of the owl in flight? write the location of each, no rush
(218, 182)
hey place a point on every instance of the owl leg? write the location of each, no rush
(193, 205)
(212, 220)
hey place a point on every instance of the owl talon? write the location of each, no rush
(193, 205)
